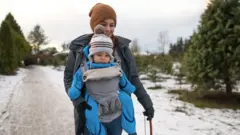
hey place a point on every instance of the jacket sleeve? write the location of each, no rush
(140, 92)
(76, 88)
(74, 91)
(125, 85)
(68, 71)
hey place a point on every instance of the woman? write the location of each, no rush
(105, 15)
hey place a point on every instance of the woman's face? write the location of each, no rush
(109, 25)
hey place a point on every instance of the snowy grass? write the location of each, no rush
(8, 85)
(210, 99)
(172, 116)
(155, 87)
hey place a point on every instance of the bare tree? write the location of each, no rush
(163, 40)
(148, 52)
(37, 38)
(134, 47)
(65, 46)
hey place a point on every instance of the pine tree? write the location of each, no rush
(13, 23)
(187, 43)
(180, 45)
(8, 62)
(23, 48)
(213, 58)
(179, 48)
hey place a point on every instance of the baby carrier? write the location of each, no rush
(102, 84)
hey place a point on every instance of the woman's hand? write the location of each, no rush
(149, 113)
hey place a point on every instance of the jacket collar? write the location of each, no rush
(84, 40)
(100, 65)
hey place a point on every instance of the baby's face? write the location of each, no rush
(101, 57)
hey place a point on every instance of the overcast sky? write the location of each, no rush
(64, 20)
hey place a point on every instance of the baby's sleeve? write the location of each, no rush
(125, 84)
(74, 91)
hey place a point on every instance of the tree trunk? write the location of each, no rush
(228, 87)
(227, 81)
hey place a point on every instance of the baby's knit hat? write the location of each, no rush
(100, 43)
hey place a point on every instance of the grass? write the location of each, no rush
(145, 78)
(155, 87)
(210, 99)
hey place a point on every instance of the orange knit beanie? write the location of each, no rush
(101, 12)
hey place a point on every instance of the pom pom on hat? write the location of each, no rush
(99, 29)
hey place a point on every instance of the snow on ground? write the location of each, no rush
(171, 115)
(56, 76)
(7, 86)
(174, 117)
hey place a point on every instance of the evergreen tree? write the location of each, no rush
(153, 76)
(143, 62)
(13, 23)
(180, 45)
(49, 51)
(23, 49)
(177, 49)
(187, 43)
(172, 50)
(8, 62)
(22, 46)
(213, 58)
